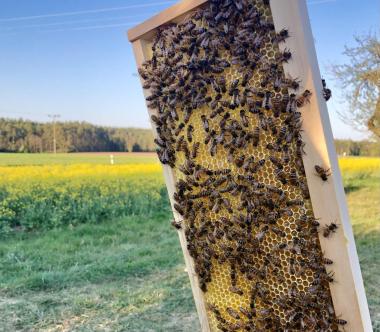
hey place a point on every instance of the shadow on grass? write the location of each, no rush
(351, 187)
(368, 247)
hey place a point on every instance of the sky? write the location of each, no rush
(73, 58)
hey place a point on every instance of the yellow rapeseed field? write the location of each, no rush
(34, 197)
(49, 172)
(359, 164)
(46, 196)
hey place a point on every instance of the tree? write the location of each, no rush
(29, 136)
(361, 81)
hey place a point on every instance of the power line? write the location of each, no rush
(93, 27)
(75, 29)
(70, 22)
(54, 117)
(24, 18)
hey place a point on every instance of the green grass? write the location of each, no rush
(13, 159)
(364, 206)
(125, 275)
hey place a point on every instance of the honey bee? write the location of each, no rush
(195, 150)
(313, 222)
(216, 312)
(205, 123)
(157, 121)
(280, 174)
(275, 190)
(267, 102)
(233, 313)
(236, 290)
(223, 122)
(209, 136)
(265, 311)
(246, 77)
(190, 130)
(264, 230)
(187, 116)
(213, 148)
(284, 56)
(293, 178)
(291, 104)
(258, 165)
(177, 224)
(278, 231)
(160, 142)
(338, 321)
(322, 172)
(277, 106)
(292, 263)
(263, 123)
(330, 229)
(240, 161)
(281, 36)
(304, 98)
(272, 125)
(248, 162)
(233, 87)
(247, 313)
(295, 202)
(276, 162)
(327, 261)
(291, 83)
(179, 129)
(305, 190)
(326, 91)
(244, 118)
(256, 136)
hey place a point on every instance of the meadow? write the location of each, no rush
(88, 246)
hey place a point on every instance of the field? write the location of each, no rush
(87, 246)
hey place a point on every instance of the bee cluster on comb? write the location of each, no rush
(228, 123)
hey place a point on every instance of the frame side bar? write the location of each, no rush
(141, 49)
(328, 199)
(164, 17)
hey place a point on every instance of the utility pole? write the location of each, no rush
(54, 117)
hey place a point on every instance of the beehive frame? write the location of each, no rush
(328, 199)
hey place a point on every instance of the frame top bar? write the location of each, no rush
(143, 29)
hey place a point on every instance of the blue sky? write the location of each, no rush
(72, 57)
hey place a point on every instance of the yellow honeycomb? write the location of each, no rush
(278, 284)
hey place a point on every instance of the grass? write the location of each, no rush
(128, 274)
(364, 206)
(125, 275)
(17, 159)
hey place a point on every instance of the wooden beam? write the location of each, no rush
(142, 52)
(144, 30)
(328, 199)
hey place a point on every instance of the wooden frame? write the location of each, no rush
(328, 199)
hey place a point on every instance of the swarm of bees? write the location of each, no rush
(228, 123)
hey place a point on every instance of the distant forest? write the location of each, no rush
(28, 136)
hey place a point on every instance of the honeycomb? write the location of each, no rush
(249, 225)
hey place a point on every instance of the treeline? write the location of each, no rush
(28, 136)
(345, 147)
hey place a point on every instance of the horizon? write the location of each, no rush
(126, 128)
(75, 60)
